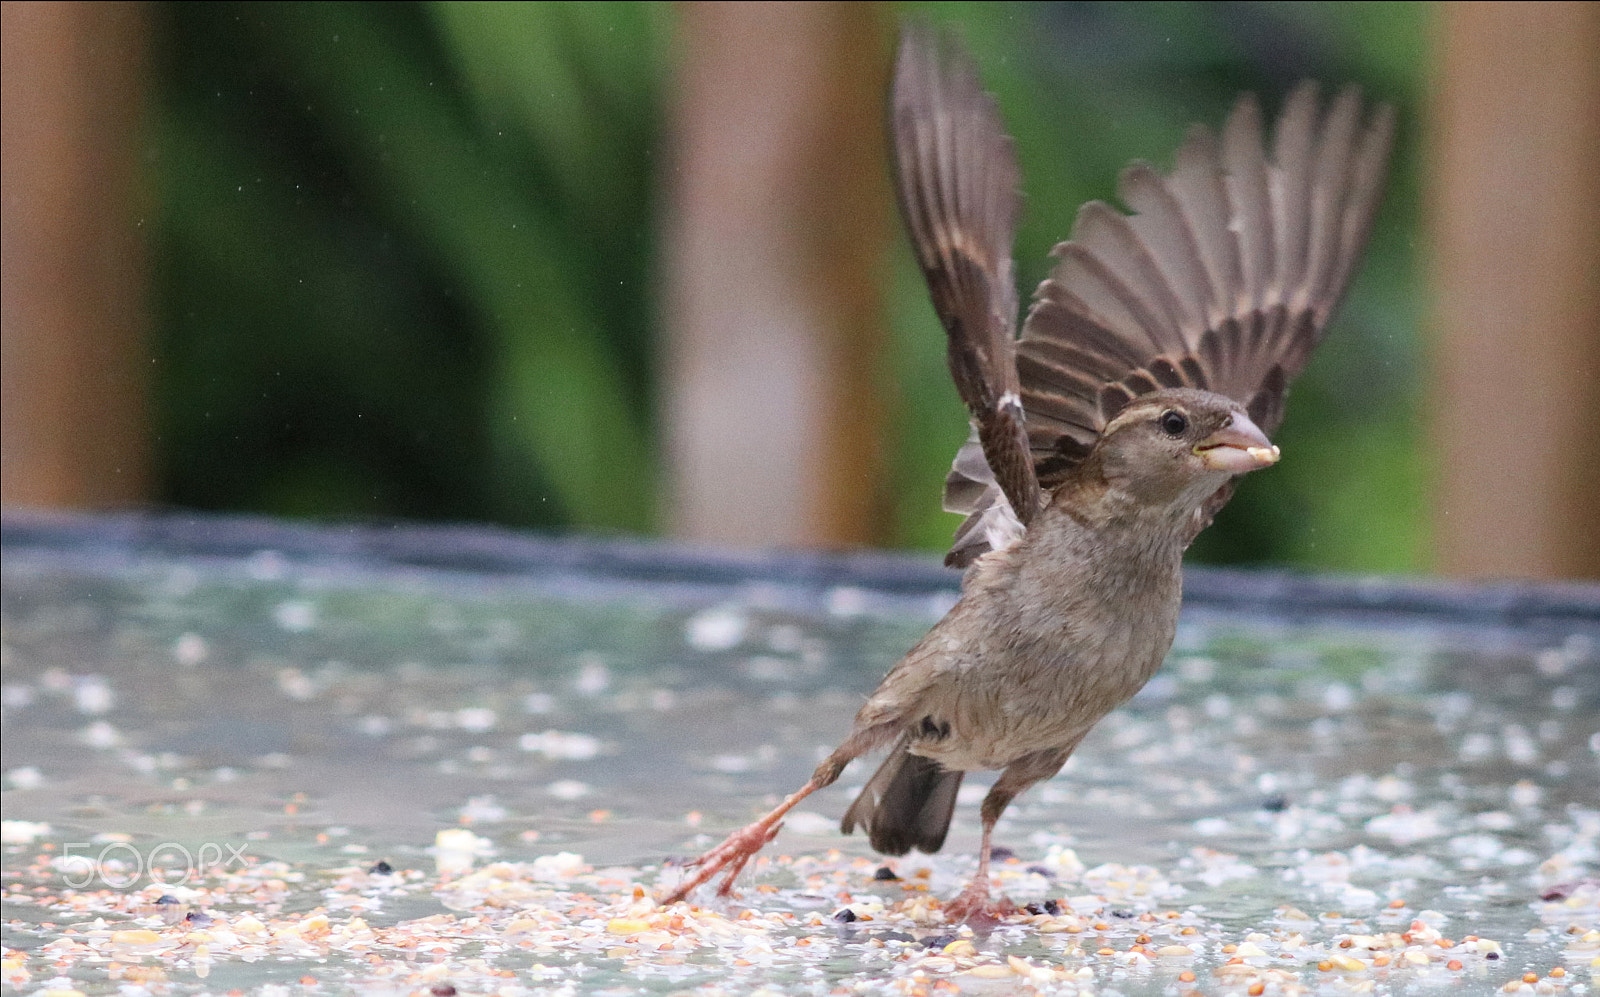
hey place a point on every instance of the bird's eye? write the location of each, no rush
(1173, 422)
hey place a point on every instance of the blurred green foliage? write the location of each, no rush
(405, 256)
(404, 259)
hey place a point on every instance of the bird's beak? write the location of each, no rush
(1238, 447)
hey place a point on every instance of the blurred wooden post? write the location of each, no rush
(1516, 233)
(778, 219)
(72, 367)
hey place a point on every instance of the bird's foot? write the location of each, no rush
(974, 905)
(741, 846)
(737, 849)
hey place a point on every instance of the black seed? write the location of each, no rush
(999, 853)
(1122, 913)
(382, 868)
(1052, 907)
(442, 990)
(198, 917)
(844, 915)
(1039, 870)
(1276, 804)
(1491, 955)
(885, 874)
(166, 898)
(938, 941)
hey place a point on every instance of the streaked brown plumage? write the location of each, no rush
(1152, 364)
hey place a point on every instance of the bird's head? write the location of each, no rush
(1177, 446)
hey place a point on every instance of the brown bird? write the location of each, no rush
(1151, 366)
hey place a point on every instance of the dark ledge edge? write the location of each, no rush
(497, 552)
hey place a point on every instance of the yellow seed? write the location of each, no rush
(626, 926)
(990, 971)
(249, 925)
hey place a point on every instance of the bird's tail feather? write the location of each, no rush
(906, 804)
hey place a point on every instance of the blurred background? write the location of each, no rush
(635, 268)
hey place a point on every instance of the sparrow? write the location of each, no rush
(1151, 366)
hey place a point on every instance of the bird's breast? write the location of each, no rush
(1040, 656)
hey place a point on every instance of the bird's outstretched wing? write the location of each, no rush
(1223, 278)
(956, 175)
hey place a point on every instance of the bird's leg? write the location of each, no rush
(974, 902)
(741, 846)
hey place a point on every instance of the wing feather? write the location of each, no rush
(1198, 185)
(1117, 278)
(1165, 230)
(956, 176)
(1289, 189)
(1244, 177)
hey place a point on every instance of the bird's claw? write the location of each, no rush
(974, 905)
(736, 850)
